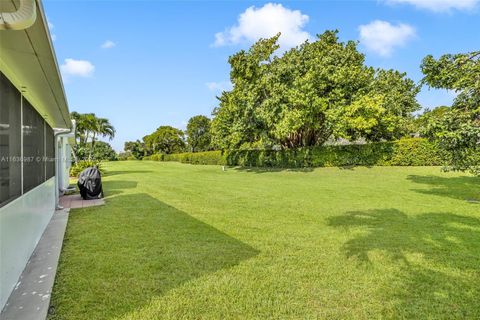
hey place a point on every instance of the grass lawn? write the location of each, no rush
(178, 241)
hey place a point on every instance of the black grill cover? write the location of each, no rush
(90, 183)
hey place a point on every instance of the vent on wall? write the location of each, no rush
(21, 19)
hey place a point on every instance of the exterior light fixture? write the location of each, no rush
(21, 19)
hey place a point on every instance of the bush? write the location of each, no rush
(123, 156)
(156, 157)
(404, 152)
(207, 157)
(153, 157)
(101, 151)
(77, 168)
(416, 152)
(104, 151)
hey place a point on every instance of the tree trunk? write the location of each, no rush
(74, 153)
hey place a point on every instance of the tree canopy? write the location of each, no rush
(323, 90)
(198, 133)
(457, 131)
(165, 139)
(136, 148)
(104, 151)
(313, 92)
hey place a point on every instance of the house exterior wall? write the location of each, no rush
(32, 104)
(27, 182)
(22, 222)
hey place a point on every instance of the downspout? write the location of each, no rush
(21, 19)
(57, 135)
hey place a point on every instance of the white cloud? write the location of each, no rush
(439, 5)
(51, 26)
(108, 44)
(382, 37)
(219, 86)
(265, 22)
(77, 68)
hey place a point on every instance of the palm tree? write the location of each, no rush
(89, 127)
(101, 127)
(78, 132)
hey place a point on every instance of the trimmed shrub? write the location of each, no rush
(123, 156)
(416, 152)
(404, 152)
(77, 168)
(207, 157)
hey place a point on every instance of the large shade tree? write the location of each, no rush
(104, 151)
(165, 139)
(136, 148)
(313, 92)
(198, 133)
(457, 131)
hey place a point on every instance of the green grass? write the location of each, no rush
(177, 241)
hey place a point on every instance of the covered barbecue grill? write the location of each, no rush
(90, 183)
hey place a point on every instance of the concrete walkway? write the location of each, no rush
(30, 300)
(75, 201)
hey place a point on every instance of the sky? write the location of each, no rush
(143, 64)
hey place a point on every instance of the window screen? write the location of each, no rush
(10, 136)
(33, 147)
(49, 151)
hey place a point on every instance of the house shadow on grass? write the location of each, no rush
(461, 188)
(438, 255)
(116, 187)
(119, 259)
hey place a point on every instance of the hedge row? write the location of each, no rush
(404, 152)
(208, 157)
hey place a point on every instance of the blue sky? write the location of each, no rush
(143, 64)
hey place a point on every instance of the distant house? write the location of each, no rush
(34, 131)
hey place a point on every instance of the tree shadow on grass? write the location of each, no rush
(438, 255)
(461, 188)
(272, 169)
(304, 169)
(109, 173)
(118, 258)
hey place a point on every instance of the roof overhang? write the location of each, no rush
(28, 59)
